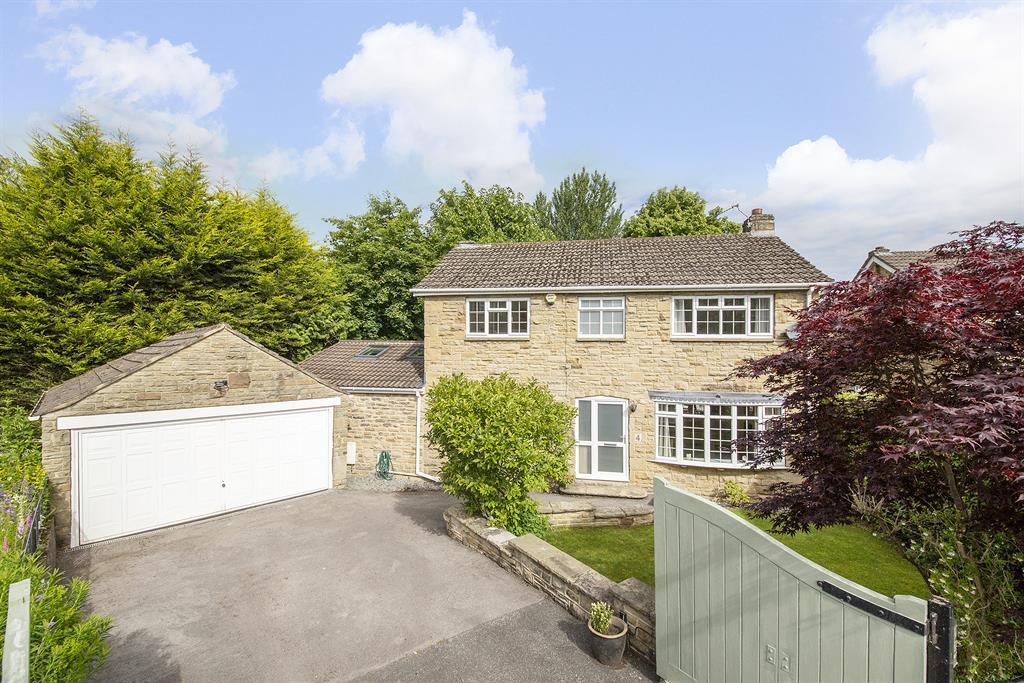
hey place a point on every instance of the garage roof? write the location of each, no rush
(77, 388)
(362, 364)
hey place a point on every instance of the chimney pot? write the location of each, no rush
(759, 223)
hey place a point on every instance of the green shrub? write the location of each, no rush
(981, 573)
(601, 616)
(20, 457)
(63, 645)
(734, 495)
(499, 439)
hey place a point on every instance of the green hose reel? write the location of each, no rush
(384, 465)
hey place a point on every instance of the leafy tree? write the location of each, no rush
(905, 398)
(379, 255)
(492, 214)
(499, 439)
(677, 211)
(583, 206)
(101, 252)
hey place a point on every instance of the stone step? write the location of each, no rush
(582, 487)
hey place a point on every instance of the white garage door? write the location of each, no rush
(145, 476)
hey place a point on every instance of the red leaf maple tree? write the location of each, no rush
(910, 388)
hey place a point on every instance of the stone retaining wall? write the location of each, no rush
(569, 582)
(572, 513)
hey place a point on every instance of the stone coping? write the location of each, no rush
(569, 582)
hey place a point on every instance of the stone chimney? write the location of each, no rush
(759, 224)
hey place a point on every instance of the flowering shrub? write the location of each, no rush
(22, 479)
(64, 645)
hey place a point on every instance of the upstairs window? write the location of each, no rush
(722, 316)
(602, 318)
(371, 352)
(497, 317)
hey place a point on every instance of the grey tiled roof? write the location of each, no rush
(399, 367)
(622, 263)
(77, 388)
(901, 259)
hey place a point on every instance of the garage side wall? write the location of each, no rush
(185, 380)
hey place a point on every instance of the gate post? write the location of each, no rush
(941, 641)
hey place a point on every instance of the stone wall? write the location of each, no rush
(647, 359)
(377, 422)
(582, 512)
(185, 380)
(566, 580)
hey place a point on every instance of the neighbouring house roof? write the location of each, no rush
(399, 366)
(624, 263)
(897, 260)
(75, 389)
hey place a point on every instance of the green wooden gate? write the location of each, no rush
(734, 604)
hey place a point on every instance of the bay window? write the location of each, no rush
(498, 317)
(722, 316)
(714, 434)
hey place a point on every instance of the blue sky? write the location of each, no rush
(856, 124)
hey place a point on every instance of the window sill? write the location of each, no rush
(712, 465)
(496, 337)
(601, 339)
(603, 477)
(724, 338)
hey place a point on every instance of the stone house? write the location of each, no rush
(641, 336)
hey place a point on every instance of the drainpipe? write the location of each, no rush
(419, 470)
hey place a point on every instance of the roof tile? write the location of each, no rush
(623, 263)
(399, 367)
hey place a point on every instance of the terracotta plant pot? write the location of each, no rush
(609, 648)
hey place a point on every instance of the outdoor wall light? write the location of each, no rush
(632, 406)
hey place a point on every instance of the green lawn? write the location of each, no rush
(849, 551)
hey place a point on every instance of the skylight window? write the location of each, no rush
(371, 352)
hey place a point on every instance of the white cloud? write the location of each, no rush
(966, 74)
(156, 92)
(456, 102)
(341, 153)
(51, 8)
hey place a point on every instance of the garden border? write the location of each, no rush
(569, 582)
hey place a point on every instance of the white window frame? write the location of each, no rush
(677, 414)
(602, 309)
(594, 443)
(720, 307)
(486, 334)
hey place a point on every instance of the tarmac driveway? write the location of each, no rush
(338, 585)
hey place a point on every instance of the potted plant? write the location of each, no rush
(607, 635)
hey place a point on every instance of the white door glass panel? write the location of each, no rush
(601, 439)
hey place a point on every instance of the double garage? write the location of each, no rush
(200, 423)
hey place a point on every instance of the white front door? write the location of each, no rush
(602, 441)
(145, 476)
